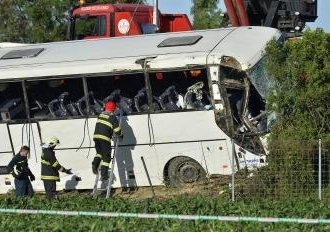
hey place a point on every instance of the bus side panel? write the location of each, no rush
(75, 150)
(70, 132)
(129, 169)
(186, 127)
(169, 151)
(217, 158)
(189, 134)
(5, 147)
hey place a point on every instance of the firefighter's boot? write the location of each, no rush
(104, 173)
(95, 165)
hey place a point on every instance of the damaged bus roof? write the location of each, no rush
(121, 54)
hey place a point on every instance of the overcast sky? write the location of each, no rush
(183, 6)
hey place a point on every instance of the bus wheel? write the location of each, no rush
(183, 170)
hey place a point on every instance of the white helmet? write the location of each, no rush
(52, 141)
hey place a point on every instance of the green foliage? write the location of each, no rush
(291, 171)
(122, 1)
(12, 22)
(207, 15)
(184, 204)
(301, 70)
(34, 21)
(27, 21)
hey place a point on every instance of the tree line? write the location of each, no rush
(37, 21)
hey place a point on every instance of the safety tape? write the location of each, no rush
(169, 216)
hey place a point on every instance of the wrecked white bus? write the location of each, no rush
(185, 96)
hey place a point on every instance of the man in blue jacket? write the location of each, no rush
(20, 170)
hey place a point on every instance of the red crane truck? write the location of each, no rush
(91, 20)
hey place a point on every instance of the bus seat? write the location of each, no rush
(169, 98)
(114, 96)
(67, 105)
(95, 105)
(12, 109)
(55, 108)
(141, 101)
(72, 109)
(196, 97)
(124, 104)
(40, 110)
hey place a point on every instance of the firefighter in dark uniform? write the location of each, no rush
(106, 125)
(20, 170)
(50, 167)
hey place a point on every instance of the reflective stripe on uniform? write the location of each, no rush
(105, 164)
(98, 156)
(105, 116)
(104, 123)
(117, 129)
(98, 136)
(55, 164)
(45, 162)
(50, 177)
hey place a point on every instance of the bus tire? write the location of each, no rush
(184, 170)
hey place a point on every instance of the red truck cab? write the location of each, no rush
(90, 21)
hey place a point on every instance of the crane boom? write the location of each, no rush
(289, 16)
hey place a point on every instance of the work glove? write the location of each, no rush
(32, 177)
(68, 171)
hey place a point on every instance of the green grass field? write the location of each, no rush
(191, 204)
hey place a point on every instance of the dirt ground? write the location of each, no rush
(212, 187)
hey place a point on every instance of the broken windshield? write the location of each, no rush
(260, 79)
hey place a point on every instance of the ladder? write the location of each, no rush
(107, 185)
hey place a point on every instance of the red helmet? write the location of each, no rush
(110, 106)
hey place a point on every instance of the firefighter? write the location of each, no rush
(106, 125)
(20, 170)
(50, 167)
